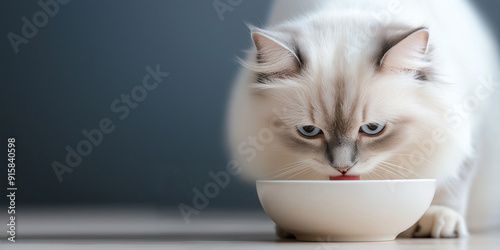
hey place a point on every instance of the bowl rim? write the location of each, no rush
(346, 181)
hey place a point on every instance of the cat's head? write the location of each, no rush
(349, 107)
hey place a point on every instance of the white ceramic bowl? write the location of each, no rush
(346, 210)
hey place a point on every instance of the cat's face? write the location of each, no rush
(343, 126)
(346, 112)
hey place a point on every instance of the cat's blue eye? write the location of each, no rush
(309, 130)
(372, 128)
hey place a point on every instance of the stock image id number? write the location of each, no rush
(11, 157)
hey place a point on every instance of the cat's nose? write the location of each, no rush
(343, 170)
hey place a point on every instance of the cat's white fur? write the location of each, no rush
(463, 60)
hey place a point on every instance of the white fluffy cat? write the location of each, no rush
(378, 89)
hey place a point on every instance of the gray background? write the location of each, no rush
(65, 78)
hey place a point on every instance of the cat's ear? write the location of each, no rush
(276, 52)
(408, 54)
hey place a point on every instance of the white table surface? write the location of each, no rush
(118, 228)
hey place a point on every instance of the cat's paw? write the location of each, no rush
(439, 222)
(283, 234)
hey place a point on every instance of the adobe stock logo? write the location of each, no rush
(30, 27)
(222, 7)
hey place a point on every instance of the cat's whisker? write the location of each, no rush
(378, 175)
(397, 171)
(366, 176)
(288, 166)
(401, 169)
(383, 172)
(290, 171)
(405, 169)
(384, 168)
(369, 176)
(417, 156)
(405, 176)
(305, 170)
(312, 175)
(390, 174)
